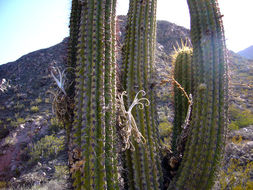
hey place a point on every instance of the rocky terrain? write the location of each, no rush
(32, 144)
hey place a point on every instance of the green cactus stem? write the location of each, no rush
(71, 63)
(182, 62)
(142, 165)
(95, 98)
(72, 44)
(206, 141)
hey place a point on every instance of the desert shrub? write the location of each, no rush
(61, 171)
(38, 100)
(55, 125)
(47, 147)
(165, 129)
(237, 139)
(18, 121)
(34, 109)
(237, 176)
(240, 118)
(9, 140)
(19, 106)
(47, 100)
(233, 126)
(3, 184)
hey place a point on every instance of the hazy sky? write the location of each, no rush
(29, 25)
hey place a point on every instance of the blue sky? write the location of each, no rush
(29, 25)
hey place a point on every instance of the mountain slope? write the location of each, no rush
(247, 53)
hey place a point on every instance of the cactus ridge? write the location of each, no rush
(95, 97)
(182, 63)
(142, 164)
(208, 116)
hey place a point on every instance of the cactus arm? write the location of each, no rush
(182, 61)
(208, 116)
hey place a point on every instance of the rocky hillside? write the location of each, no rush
(28, 130)
(247, 53)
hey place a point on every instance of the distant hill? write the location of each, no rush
(247, 53)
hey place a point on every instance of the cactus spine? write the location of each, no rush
(208, 122)
(94, 115)
(143, 164)
(182, 62)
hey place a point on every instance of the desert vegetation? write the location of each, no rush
(118, 112)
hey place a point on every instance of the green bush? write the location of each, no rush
(165, 130)
(240, 118)
(38, 100)
(19, 121)
(3, 184)
(19, 106)
(61, 171)
(34, 108)
(55, 126)
(47, 147)
(237, 176)
(233, 126)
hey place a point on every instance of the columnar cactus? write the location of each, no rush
(94, 115)
(182, 62)
(71, 62)
(93, 134)
(205, 143)
(72, 44)
(71, 65)
(142, 164)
